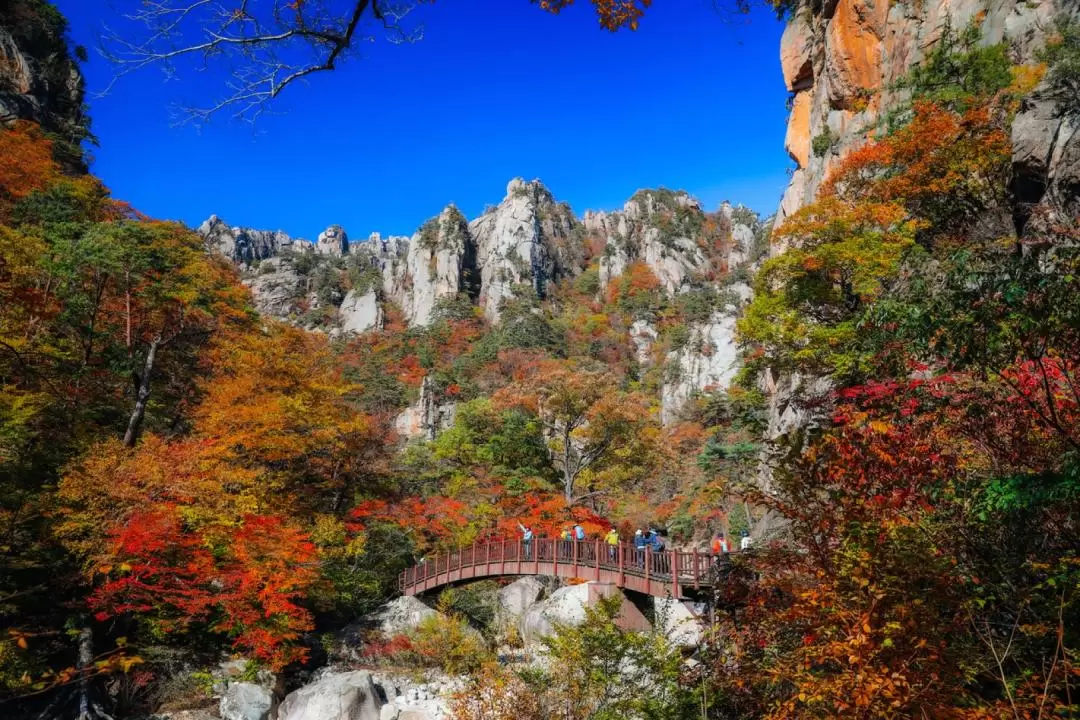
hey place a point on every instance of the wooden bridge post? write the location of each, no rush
(622, 564)
(536, 560)
(596, 558)
(574, 555)
(648, 564)
(675, 575)
(697, 573)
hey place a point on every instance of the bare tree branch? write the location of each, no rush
(263, 46)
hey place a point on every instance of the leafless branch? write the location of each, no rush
(259, 47)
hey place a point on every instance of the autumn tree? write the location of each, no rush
(598, 436)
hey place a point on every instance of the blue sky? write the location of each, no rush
(496, 89)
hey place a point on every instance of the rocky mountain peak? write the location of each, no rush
(333, 241)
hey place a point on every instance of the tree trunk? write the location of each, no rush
(143, 395)
(568, 472)
(85, 660)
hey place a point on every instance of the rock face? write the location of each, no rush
(843, 58)
(519, 243)
(39, 79)
(440, 263)
(361, 312)
(333, 242)
(244, 245)
(335, 696)
(426, 417)
(707, 362)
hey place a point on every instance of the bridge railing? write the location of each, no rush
(514, 557)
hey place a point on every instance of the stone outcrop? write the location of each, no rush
(707, 362)
(440, 262)
(334, 696)
(521, 242)
(426, 417)
(333, 242)
(244, 246)
(360, 312)
(40, 79)
(656, 227)
(843, 60)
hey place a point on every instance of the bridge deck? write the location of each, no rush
(669, 572)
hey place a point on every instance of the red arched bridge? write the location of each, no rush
(665, 573)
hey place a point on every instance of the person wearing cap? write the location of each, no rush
(745, 542)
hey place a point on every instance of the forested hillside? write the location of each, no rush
(229, 442)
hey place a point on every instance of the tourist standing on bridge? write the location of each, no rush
(612, 540)
(526, 539)
(719, 546)
(639, 547)
(745, 542)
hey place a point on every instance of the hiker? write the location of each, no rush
(579, 533)
(564, 536)
(746, 542)
(719, 545)
(639, 547)
(526, 539)
(656, 541)
(612, 540)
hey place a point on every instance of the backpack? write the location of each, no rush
(716, 546)
(579, 533)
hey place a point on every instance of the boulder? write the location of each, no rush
(246, 701)
(399, 616)
(517, 598)
(566, 606)
(334, 696)
(679, 622)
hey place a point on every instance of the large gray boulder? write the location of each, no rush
(335, 696)
(399, 616)
(516, 598)
(565, 606)
(679, 621)
(246, 701)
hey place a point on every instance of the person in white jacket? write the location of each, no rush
(526, 539)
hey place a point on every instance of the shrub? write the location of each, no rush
(447, 642)
(823, 142)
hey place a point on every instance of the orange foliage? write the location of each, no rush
(26, 164)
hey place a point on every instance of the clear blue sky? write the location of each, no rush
(496, 89)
